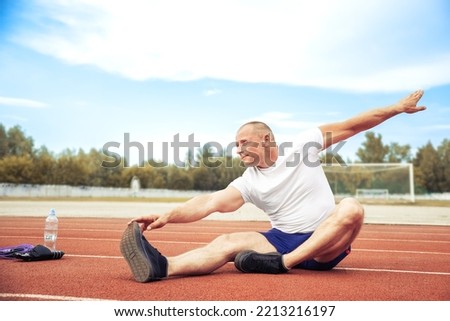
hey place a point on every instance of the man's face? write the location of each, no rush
(252, 148)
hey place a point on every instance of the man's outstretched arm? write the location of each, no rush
(336, 132)
(226, 200)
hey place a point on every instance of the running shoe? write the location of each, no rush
(253, 262)
(146, 263)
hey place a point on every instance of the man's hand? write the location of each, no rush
(150, 222)
(409, 103)
(343, 130)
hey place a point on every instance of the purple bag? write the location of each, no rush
(29, 252)
(9, 252)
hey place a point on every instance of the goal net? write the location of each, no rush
(372, 193)
(367, 181)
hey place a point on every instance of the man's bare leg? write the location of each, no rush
(223, 249)
(332, 237)
(328, 242)
(148, 264)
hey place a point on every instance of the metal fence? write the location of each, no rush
(29, 190)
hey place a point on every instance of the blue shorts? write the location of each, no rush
(286, 243)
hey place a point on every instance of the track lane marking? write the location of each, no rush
(47, 297)
(181, 242)
(392, 271)
(174, 230)
(353, 250)
(336, 268)
(400, 251)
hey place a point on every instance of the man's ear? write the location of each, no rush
(267, 142)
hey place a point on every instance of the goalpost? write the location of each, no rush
(371, 181)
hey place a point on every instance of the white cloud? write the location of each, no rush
(437, 127)
(21, 102)
(410, 77)
(212, 92)
(284, 121)
(353, 45)
(14, 118)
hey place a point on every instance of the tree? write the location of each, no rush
(398, 153)
(16, 169)
(230, 169)
(179, 179)
(205, 173)
(69, 170)
(18, 144)
(207, 156)
(444, 158)
(427, 169)
(372, 150)
(159, 178)
(44, 167)
(3, 141)
(190, 159)
(204, 178)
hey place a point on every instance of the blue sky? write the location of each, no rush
(79, 74)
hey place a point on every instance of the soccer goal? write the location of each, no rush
(367, 181)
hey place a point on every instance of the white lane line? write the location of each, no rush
(401, 240)
(86, 256)
(392, 271)
(336, 268)
(203, 243)
(46, 297)
(355, 250)
(400, 251)
(101, 239)
(176, 231)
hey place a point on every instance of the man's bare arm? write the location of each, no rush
(226, 200)
(336, 132)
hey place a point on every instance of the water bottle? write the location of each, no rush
(51, 230)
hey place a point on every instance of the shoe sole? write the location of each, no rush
(134, 255)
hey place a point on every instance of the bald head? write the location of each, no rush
(259, 128)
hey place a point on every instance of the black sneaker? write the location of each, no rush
(253, 262)
(146, 263)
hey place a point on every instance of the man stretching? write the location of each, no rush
(308, 231)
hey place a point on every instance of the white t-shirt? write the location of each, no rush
(294, 192)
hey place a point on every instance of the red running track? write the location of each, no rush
(388, 263)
